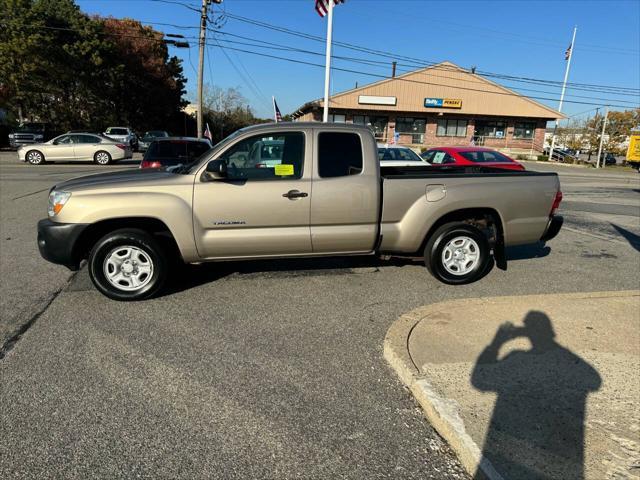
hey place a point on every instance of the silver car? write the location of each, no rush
(75, 147)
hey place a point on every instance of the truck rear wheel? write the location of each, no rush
(457, 253)
(128, 264)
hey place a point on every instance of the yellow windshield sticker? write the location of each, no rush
(284, 170)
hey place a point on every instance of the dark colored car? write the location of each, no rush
(145, 139)
(609, 158)
(30, 133)
(172, 151)
(470, 156)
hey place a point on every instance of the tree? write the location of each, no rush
(226, 110)
(617, 130)
(75, 71)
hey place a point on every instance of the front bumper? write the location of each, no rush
(57, 242)
(553, 228)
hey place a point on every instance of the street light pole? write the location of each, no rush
(604, 124)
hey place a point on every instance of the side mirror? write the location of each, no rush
(217, 169)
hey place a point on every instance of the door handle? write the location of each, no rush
(291, 194)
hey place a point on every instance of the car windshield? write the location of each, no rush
(30, 128)
(155, 134)
(398, 154)
(184, 151)
(485, 157)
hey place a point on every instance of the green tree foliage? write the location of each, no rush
(75, 71)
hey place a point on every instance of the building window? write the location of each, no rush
(524, 130)
(411, 126)
(378, 125)
(491, 129)
(337, 118)
(451, 128)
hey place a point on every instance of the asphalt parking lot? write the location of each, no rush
(251, 370)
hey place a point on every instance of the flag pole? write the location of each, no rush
(327, 63)
(564, 87)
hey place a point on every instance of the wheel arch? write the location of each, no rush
(151, 225)
(485, 218)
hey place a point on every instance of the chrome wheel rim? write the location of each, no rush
(460, 255)
(128, 268)
(102, 158)
(34, 157)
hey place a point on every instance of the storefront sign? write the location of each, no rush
(376, 100)
(443, 102)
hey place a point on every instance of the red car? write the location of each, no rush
(466, 156)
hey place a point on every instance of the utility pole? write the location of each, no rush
(604, 124)
(327, 62)
(203, 35)
(201, 43)
(564, 87)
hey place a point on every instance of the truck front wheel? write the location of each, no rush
(457, 253)
(128, 264)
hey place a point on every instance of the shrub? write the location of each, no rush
(543, 158)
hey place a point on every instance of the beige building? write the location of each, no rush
(441, 105)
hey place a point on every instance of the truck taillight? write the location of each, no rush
(122, 146)
(556, 202)
(149, 164)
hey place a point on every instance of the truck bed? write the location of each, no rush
(414, 198)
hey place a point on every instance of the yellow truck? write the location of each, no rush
(633, 152)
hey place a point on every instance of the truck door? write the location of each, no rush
(257, 210)
(346, 192)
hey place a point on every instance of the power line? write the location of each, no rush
(385, 65)
(383, 77)
(395, 56)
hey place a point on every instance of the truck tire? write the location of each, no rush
(458, 253)
(128, 264)
(35, 157)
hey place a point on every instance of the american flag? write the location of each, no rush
(567, 54)
(322, 6)
(207, 132)
(276, 111)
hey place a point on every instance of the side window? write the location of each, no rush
(65, 140)
(88, 139)
(428, 156)
(266, 157)
(441, 158)
(339, 154)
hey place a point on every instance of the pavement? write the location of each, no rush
(270, 369)
(542, 386)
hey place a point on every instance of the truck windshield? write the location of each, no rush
(216, 148)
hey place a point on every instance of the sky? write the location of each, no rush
(525, 39)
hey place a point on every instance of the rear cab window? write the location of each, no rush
(485, 157)
(339, 154)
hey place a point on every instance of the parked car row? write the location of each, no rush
(398, 156)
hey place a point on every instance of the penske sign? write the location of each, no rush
(443, 102)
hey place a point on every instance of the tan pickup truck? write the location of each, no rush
(322, 192)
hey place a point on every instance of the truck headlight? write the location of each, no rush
(38, 137)
(57, 199)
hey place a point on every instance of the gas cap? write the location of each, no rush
(436, 192)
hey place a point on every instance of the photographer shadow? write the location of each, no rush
(537, 427)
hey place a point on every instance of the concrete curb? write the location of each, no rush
(443, 413)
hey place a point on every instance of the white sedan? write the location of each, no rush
(397, 156)
(75, 147)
